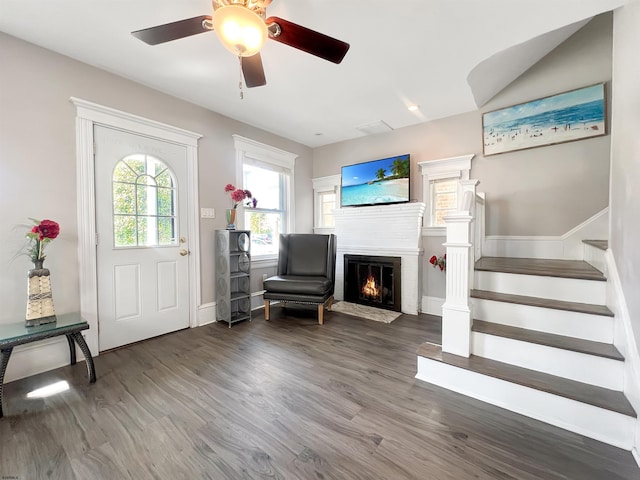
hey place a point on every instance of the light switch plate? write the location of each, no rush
(207, 213)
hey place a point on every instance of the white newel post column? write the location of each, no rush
(456, 311)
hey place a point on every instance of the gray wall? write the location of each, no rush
(524, 189)
(38, 164)
(625, 157)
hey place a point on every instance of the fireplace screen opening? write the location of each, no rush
(373, 281)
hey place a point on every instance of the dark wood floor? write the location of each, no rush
(285, 399)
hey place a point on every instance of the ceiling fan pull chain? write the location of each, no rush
(240, 79)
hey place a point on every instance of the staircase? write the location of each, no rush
(542, 345)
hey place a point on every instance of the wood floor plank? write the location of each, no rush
(284, 399)
(543, 267)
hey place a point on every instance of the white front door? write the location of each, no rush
(141, 219)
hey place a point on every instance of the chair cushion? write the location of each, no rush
(307, 254)
(298, 285)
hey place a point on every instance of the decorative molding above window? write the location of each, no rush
(437, 171)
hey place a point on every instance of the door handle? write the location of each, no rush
(184, 252)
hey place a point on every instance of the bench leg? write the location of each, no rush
(91, 371)
(321, 313)
(6, 353)
(266, 309)
(72, 350)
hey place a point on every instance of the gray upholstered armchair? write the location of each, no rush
(306, 272)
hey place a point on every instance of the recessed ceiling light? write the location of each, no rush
(413, 108)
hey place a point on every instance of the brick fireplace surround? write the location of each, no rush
(387, 230)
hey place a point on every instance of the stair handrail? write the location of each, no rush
(462, 229)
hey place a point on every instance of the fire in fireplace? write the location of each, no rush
(370, 289)
(373, 281)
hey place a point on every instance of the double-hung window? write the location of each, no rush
(326, 192)
(267, 172)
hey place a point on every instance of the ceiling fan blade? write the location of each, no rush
(253, 71)
(307, 40)
(174, 30)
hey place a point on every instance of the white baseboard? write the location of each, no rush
(206, 314)
(564, 247)
(432, 305)
(522, 247)
(624, 341)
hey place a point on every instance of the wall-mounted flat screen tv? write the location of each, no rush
(378, 182)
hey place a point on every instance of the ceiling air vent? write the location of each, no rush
(374, 127)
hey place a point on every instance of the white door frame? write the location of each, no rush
(89, 114)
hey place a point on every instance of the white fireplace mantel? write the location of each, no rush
(388, 230)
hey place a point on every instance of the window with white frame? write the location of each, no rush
(326, 192)
(445, 199)
(441, 188)
(267, 172)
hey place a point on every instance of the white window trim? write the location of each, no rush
(330, 183)
(250, 149)
(441, 169)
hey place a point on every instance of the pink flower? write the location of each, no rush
(433, 260)
(238, 195)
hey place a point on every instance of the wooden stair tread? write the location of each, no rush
(543, 302)
(601, 244)
(589, 347)
(542, 267)
(581, 392)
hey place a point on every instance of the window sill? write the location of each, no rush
(324, 230)
(264, 261)
(434, 231)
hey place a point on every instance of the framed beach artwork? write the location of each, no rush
(565, 117)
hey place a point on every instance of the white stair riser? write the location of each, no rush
(599, 371)
(597, 328)
(595, 257)
(594, 422)
(557, 288)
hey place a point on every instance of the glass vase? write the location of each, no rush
(231, 218)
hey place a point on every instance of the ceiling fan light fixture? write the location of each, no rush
(241, 31)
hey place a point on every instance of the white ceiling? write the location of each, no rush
(447, 56)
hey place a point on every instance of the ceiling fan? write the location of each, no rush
(242, 27)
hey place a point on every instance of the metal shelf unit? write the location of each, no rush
(233, 275)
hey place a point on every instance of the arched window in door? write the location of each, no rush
(144, 203)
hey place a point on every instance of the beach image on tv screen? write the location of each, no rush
(377, 182)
